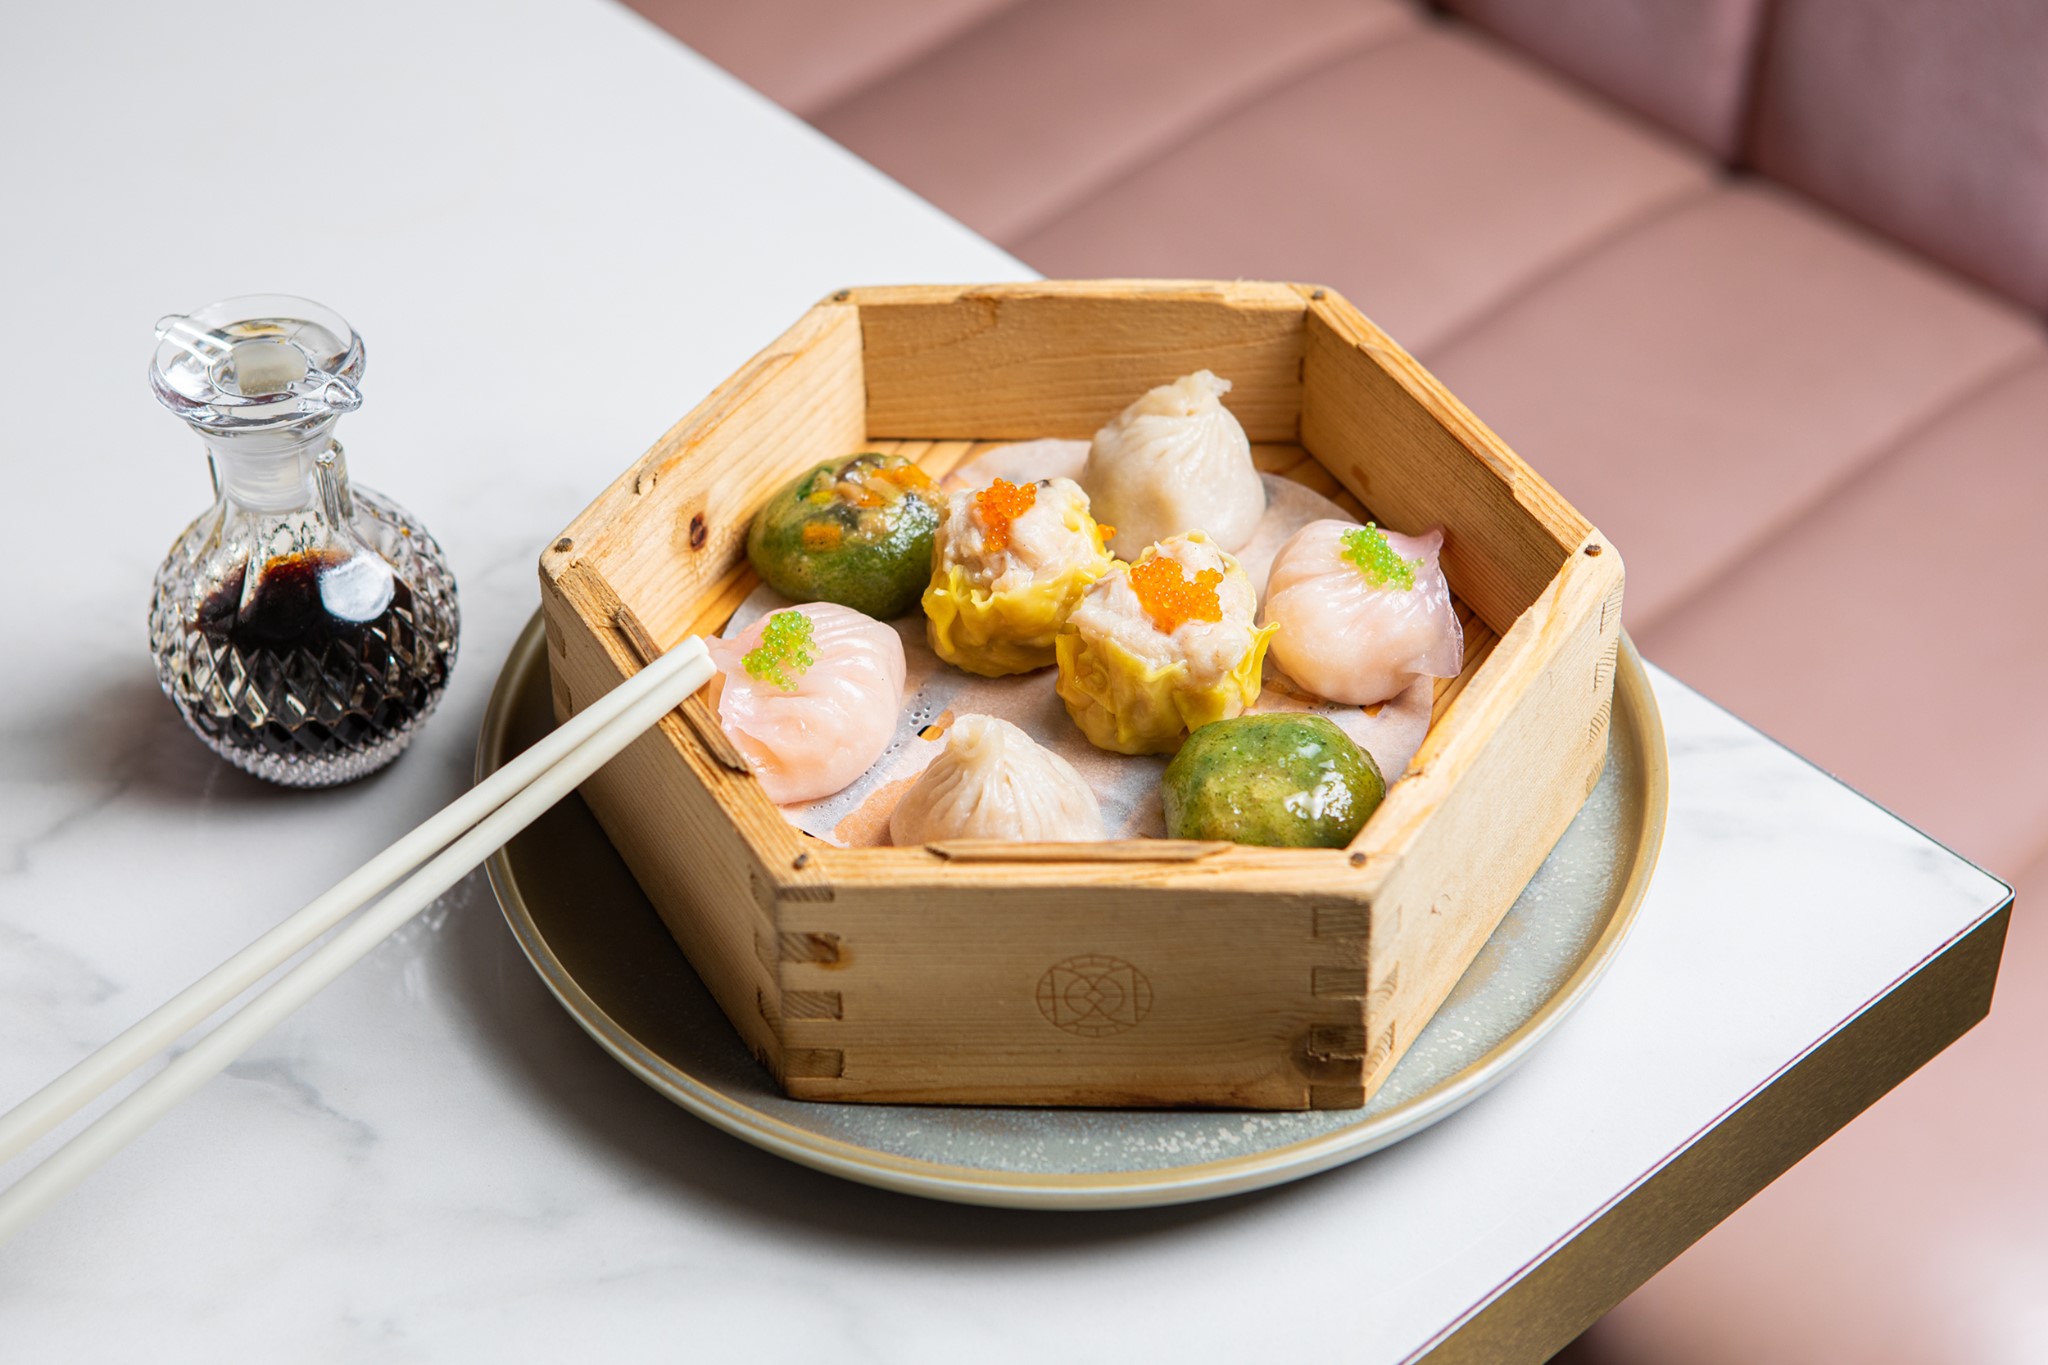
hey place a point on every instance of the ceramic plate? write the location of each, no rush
(604, 953)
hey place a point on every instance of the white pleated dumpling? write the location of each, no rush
(1175, 461)
(810, 696)
(993, 781)
(1361, 613)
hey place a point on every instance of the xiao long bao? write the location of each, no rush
(993, 781)
(1175, 461)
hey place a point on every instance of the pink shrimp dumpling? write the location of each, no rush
(810, 696)
(1362, 612)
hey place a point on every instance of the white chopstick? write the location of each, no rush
(57, 1101)
(492, 812)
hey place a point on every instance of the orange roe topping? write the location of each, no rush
(1169, 599)
(996, 506)
(822, 535)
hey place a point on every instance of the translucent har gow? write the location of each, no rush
(993, 781)
(810, 697)
(1362, 613)
(1175, 461)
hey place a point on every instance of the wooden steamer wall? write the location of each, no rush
(1145, 973)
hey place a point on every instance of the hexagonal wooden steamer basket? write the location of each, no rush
(1139, 973)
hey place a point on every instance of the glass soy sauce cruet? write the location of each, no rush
(304, 629)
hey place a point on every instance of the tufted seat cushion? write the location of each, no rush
(1926, 119)
(1018, 120)
(1683, 64)
(1894, 631)
(1713, 375)
(1450, 176)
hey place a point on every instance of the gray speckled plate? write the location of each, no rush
(604, 953)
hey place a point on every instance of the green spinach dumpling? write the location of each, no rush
(1283, 779)
(858, 533)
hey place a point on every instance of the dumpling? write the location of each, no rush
(1161, 647)
(857, 532)
(1362, 612)
(993, 781)
(810, 697)
(1282, 780)
(1009, 563)
(1172, 462)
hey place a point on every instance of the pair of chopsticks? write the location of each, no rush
(437, 854)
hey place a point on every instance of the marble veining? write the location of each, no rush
(431, 1162)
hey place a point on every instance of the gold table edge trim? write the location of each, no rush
(1556, 1296)
(1183, 1184)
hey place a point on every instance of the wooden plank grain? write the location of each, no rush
(1408, 449)
(662, 792)
(1060, 359)
(675, 522)
(1496, 783)
(1052, 995)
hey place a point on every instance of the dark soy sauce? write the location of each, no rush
(328, 685)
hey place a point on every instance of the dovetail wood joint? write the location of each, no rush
(813, 1063)
(1313, 1060)
(1340, 919)
(1381, 996)
(1382, 1049)
(1337, 1041)
(1337, 983)
(813, 1005)
(1603, 670)
(809, 947)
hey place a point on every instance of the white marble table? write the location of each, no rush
(556, 230)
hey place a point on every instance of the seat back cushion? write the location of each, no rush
(1925, 119)
(806, 54)
(1684, 64)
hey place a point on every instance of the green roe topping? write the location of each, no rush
(1366, 547)
(784, 652)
